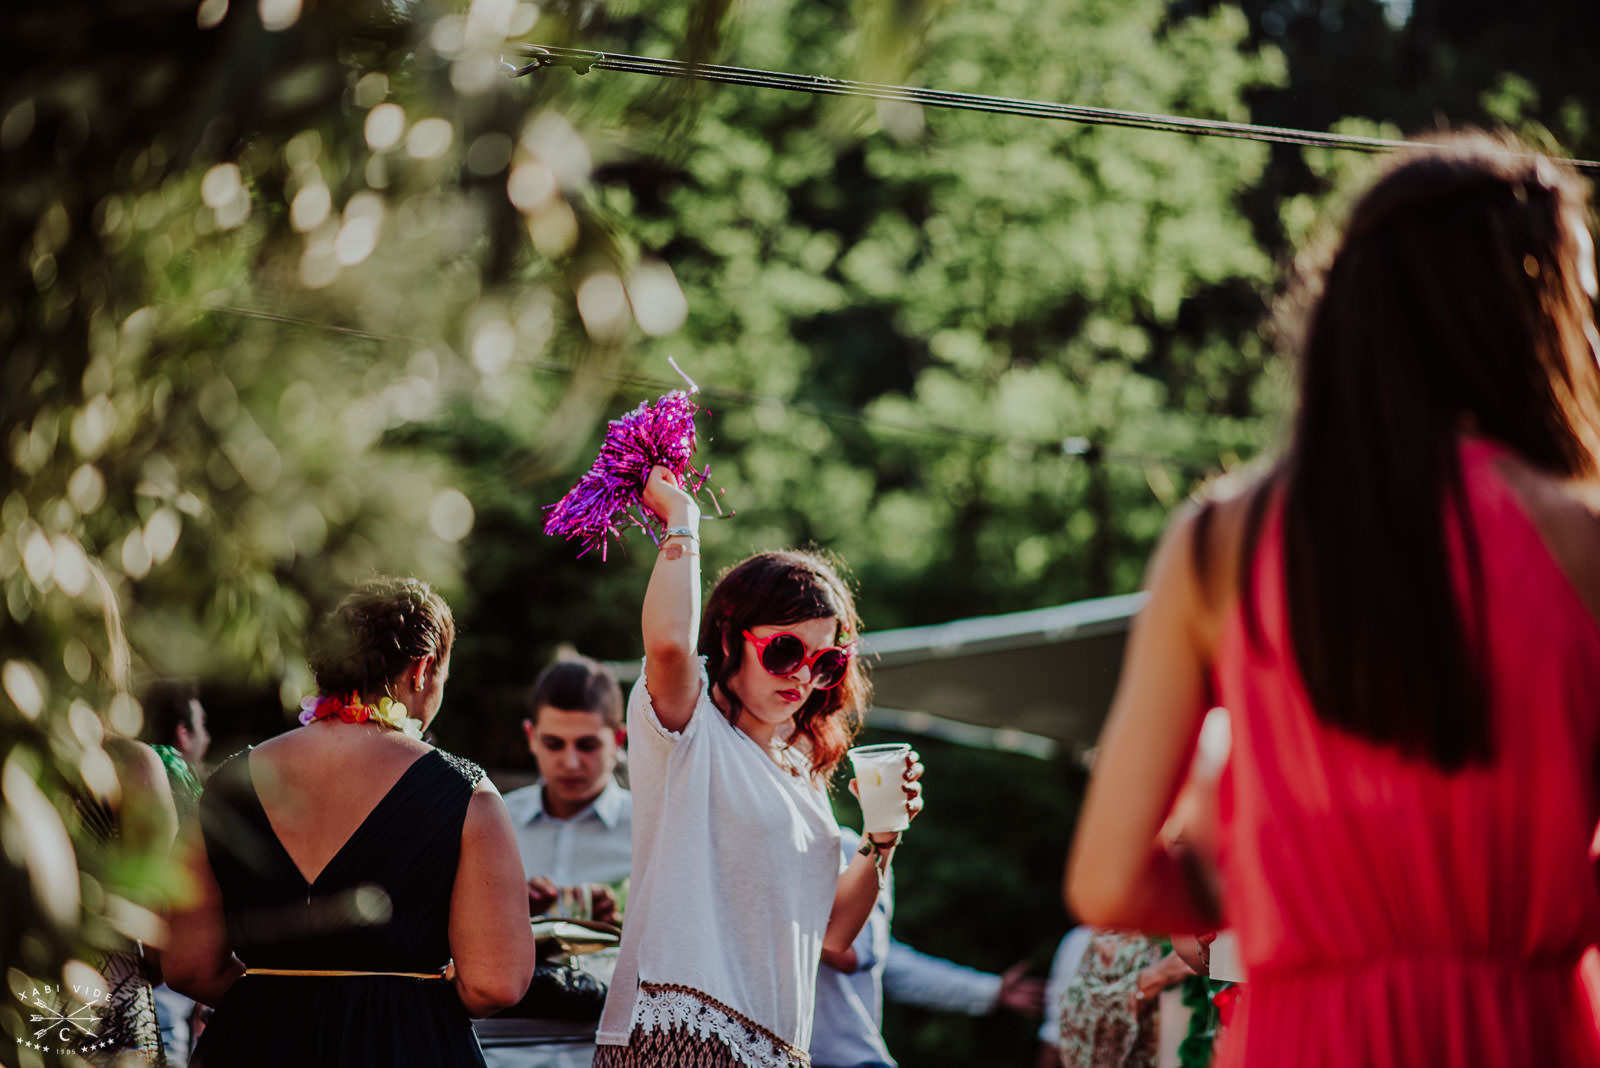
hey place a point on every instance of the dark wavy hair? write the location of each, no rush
(381, 627)
(1452, 301)
(790, 586)
(169, 704)
(577, 684)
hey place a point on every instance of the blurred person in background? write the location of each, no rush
(574, 830)
(853, 983)
(1111, 1015)
(575, 825)
(123, 830)
(139, 822)
(175, 723)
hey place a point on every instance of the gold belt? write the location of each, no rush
(335, 974)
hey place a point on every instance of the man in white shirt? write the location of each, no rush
(574, 828)
(852, 987)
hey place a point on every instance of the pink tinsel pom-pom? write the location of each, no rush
(607, 499)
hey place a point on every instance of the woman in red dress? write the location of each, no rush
(1403, 617)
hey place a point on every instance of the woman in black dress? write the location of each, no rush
(357, 893)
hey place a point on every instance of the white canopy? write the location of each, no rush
(1032, 681)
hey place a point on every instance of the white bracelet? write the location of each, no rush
(680, 532)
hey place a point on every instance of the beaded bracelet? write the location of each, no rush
(879, 852)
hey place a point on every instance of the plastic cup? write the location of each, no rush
(575, 902)
(880, 784)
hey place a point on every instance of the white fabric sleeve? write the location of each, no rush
(642, 711)
(1065, 965)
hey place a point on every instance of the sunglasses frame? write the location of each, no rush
(848, 650)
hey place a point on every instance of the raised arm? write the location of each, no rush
(1120, 874)
(671, 617)
(491, 941)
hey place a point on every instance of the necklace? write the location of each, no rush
(386, 713)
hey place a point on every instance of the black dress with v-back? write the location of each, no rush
(382, 904)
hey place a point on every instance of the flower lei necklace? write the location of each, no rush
(386, 713)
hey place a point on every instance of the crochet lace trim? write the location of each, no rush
(674, 1007)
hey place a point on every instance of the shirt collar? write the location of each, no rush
(606, 807)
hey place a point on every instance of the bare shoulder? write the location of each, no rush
(1567, 513)
(133, 757)
(1208, 535)
(278, 757)
(488, 819)
(1585, 496)
(333, 758)
(1567, 506)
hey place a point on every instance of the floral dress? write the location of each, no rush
(1104, 1024)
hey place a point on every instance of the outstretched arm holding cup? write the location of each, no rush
(886, 783)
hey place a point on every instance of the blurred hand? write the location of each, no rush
(664, 497)
(1195, 951)
(1020, 993)
(1155, 978)
(542, 894)
(602, 904)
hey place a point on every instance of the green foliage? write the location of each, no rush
(900, 319)
(254, 255)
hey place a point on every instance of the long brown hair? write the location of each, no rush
(790, 586)
(1453, 300)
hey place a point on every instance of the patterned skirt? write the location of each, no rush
(667, 1049)
(676, 1026)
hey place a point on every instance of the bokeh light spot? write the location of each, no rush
(25, 685)
(385, 125)
(493, 345)
(211, 13)
(278, 15)
(658, 302)
(530, 186)
(430, 139)
(221, 184)
(451, 515)
(603, 305)
(310, 206)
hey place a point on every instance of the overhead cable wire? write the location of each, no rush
(1077, 446)
(540, 57)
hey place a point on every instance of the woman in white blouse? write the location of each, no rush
(734, 729)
